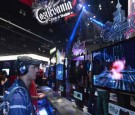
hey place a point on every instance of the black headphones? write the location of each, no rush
(21, 66)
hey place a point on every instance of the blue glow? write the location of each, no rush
(73, 33)
(97, 22)
(43, 112)
(83, 7)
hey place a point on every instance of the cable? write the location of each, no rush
(26, 30)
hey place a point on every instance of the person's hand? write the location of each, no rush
(41, 95)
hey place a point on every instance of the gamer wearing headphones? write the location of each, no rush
(20, 103)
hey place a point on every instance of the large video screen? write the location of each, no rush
(114, 66)
(59, 71)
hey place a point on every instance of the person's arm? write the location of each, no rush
(38, 97)
(35, 97)
(2, 82)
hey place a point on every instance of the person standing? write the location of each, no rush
(4, 82)
(21, 102)
(102, 101)
(91, 101)
(35, 95)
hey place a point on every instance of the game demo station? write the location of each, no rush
(74, 85)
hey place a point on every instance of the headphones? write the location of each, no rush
(20, 65)
(22, 68)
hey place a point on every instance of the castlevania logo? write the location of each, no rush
(50, 12)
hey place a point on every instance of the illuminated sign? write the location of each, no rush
(52, 12)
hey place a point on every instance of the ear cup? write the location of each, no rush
(22, 68)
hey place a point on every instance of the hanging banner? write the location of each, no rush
(52, 11)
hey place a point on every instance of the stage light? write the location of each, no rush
(14, 57)
(80, 5)
(83, 7)
(99, 5)
(97, 22)
(73, 33)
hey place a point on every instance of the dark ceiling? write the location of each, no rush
(40, 38)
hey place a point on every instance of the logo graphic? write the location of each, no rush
(51, 12)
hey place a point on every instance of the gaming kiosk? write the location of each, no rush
(114, 70)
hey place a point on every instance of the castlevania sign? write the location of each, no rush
(52, 11)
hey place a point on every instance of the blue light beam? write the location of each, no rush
(73, 33)
(97, 22)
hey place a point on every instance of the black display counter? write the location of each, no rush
(61, 105)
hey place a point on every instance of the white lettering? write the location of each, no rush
(60, 11)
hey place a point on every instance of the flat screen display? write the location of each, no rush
(46, 72)
(88, 65)
(51, 72)
(7, 71)
(59, 71)
(114, 66)
(78, 95)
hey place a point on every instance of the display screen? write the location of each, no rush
(78, 95)
(7, 71)
(88, 66)
(59, 71)
(114, 66)
(51, 72)
(46, 71)
(51, 69)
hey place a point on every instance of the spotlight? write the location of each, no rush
(112, 2)
(80, 5)
(83, 7)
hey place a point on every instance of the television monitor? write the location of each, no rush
(88, 65)
(78, 95)
(114, 67)
(51, 69)
(7, 70)
(59, 71)
(46, 72)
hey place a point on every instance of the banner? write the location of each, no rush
(51, 11)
